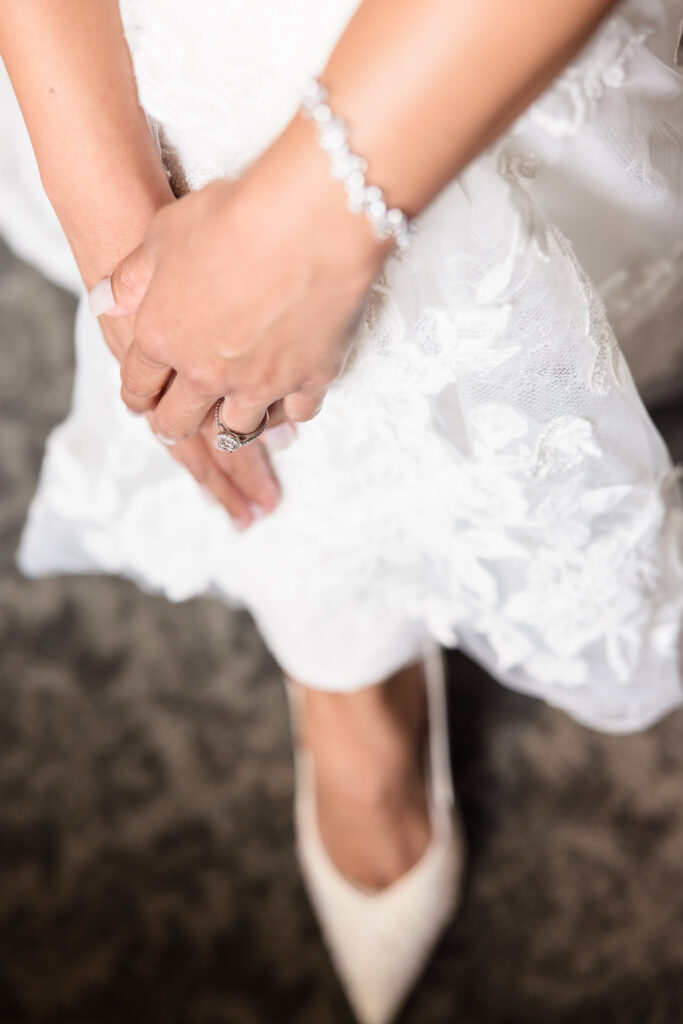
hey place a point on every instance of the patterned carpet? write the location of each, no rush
(147, 871)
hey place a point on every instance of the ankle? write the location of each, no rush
(374, 766)
(383, 716)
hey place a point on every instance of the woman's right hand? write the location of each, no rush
(243, 482)
(71, 71)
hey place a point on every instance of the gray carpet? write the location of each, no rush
(147, 871)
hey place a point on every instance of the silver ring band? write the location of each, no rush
(228, 440)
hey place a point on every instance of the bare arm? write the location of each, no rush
(71, 71)
(427, 84)
(424, 86)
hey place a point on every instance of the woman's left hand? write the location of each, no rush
(251, 289)
(243, 482)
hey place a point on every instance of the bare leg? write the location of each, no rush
(368, 748)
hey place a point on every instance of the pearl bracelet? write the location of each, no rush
(349, 168)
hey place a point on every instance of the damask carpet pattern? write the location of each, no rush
(147, 870)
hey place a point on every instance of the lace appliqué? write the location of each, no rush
(565, 105)
(484, 467)
(519, 169)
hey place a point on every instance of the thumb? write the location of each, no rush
(121, 293)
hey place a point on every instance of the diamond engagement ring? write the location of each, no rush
(230, 440)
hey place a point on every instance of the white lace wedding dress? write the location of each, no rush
(485, 471)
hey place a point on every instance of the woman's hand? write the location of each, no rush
(72, 73)
(243, 481)
(252, 289)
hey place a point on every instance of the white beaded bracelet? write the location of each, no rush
(349, 168)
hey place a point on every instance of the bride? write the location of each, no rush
(369, 274)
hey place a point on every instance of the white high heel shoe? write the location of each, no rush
(380, 940)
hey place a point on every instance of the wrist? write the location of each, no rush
(103, 225)
(312, 205)
(350, 168)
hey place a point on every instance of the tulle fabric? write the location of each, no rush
(485, 471)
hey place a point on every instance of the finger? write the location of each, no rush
(195, 456)
(182, 409)
(276, 415)
(280, 432)
(241, 415)
(121, 293)
(251, 470)
(142, 378)
(303, 405)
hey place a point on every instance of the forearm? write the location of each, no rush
(424, 86)
(71, 71)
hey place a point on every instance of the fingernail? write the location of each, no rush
(101, 298)
(209, 495)
(240, 524)
(255, 510)
(170, 441)
(132, 412)
(280, 436)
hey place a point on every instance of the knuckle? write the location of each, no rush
(300, 411)
(150, 338)
(132, 385)
(137, 405)
(167, 428)
(202, 378)
(131, 280)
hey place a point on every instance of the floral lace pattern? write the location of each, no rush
(569, 101)
(485, 469)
